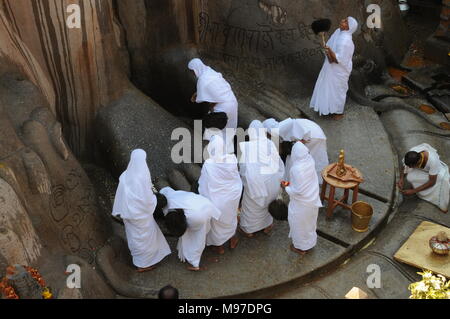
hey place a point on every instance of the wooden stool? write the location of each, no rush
(335, 183)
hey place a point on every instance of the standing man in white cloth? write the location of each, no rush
(135, 203)
(310, 134)
(330, 93)
(262, 171)
(221, 183)
(198, 212)
(304, 202)
(428, 175)
(214, 89)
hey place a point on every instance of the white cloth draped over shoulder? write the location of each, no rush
(135, 203)
(221, 183)
(213, 88)
(304, 199)
(317, 145)
(316, 141)
(262, 171)
(198, 211)
(439, 194)
(330, 93)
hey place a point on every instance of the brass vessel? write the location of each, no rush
(362, 213)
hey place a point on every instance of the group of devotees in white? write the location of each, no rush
(235, 195)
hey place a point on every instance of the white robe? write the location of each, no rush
(213, 88)
(262, 171)
(316, 141)
(198, 211)
(439, 194)
(221, 184)
(330, 93)
(317, 146)
(135, 203)
(304, 199)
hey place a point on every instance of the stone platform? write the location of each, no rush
(261, 264)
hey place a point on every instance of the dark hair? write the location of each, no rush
(412, 159)
(286, 150)
(161, 203)
(279, 210)
(168, 292)
(215, 120)
(176, 222)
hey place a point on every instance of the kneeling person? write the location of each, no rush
(428, 175)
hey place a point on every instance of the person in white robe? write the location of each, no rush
(198, 211)
(304, 201)
(262, 172)
(221, 183)
(213, 88)
(135, 203)
(310, 134)
(330, 93)
(428, 175)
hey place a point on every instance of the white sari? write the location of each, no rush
(221, 184)
(316, 141)
(439, 194)
(213, 88)
(330, 93)
(198, 211)
(262, 171)
(304, 199)
(135, 203)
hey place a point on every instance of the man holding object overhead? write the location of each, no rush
(330, 93)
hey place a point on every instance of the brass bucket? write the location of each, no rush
(361, 215)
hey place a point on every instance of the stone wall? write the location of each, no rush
(77, 70)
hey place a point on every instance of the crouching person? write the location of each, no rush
(188, 216)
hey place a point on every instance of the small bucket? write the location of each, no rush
(361, 215)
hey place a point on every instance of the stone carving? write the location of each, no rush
(36, 172)
(12, 248)
(58, 141)
(14, 216)
(276, 14)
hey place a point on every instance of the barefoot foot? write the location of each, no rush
(219, 250)
(298, 251)
(338, 117)
(234, 242)
(269, 229)
(246, 234)
(192, 268)
(141, 270)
